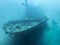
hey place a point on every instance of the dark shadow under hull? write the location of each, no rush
(31, 36)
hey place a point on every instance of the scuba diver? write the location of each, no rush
(29, 30)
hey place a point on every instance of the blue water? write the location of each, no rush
(12, 10)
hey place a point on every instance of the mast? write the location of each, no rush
(26, 4)
(28, 16)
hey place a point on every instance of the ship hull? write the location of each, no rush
(32, 36)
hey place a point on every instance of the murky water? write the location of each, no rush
(15, 10)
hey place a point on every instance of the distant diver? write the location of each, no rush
(54, 24)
